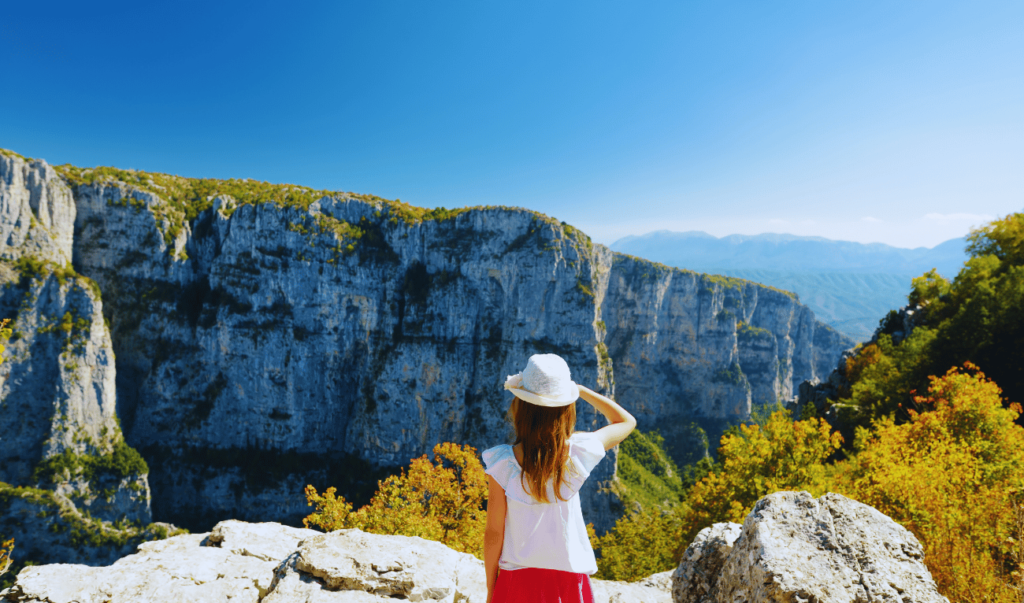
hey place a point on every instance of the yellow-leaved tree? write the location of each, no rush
(784, 455)
(441, 500)
(641, 543)
(953, 476)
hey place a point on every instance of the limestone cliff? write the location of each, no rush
(693, 347)
(271, 336)
(63, 459)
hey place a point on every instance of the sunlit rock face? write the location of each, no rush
(692, 347)
(272, 563)
(59, 435)
(37, 211)
(793, 547)
(264, 347)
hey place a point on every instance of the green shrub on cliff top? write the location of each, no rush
(185, 198)
(10, 153)
(31, 267)
(191, 196)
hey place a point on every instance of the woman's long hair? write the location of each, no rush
(543, 432)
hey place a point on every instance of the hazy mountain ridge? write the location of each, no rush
(696, 250)
(848, 285)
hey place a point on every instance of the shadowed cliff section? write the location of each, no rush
(332, 336)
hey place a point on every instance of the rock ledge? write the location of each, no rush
(272, 563)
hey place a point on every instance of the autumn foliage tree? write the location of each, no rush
(642, 543)
(441, 500)
(951, 475)
(756, 461)
(6, 548)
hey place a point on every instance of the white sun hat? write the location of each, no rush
(545, 382)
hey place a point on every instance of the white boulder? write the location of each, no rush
(795, 548)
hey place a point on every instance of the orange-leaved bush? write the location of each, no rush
(952, 475)
(441, 500)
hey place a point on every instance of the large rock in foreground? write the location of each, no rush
(795, 548)
(272, 563)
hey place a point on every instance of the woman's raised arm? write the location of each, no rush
(622, 423)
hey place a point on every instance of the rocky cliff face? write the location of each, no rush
(64, 464)
(280, 336)
(37, 213)
(692, 347)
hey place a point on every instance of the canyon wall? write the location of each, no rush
(263, 344)
(66, 474)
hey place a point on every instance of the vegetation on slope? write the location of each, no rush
(648, 477)
(978, 317)
(56, 524)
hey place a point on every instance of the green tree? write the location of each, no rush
(641, 543)
(978, 318)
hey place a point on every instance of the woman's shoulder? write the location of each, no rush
(500, 463)
(586, 450)
(496, 456)
(583, 437)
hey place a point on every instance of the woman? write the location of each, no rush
(535, 532)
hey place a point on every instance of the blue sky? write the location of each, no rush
(898, 122)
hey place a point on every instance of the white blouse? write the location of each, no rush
(546, 535)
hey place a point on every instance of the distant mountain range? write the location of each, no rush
(851, 286)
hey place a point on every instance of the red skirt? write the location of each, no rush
(534, 585)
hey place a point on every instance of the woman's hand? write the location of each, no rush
(622, 423)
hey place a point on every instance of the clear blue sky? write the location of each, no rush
(900, 122)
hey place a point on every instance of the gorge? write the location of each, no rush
(248, 339)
